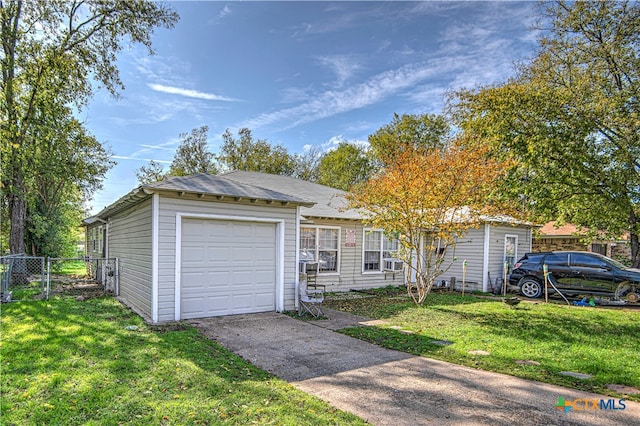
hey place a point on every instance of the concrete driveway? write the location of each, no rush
(386, 387)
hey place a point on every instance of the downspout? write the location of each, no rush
(485, 257)
(105, 237)
(155, 205)
(297, 260)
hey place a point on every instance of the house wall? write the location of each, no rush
(170, 206)
(559, 244)
(471, 248)
(619, 250)
(129, 240)
(351, 275)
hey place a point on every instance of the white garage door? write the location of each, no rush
(227, 267)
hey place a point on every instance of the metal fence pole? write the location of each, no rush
(116, 276)
(48, 276)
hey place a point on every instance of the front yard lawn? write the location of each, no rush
(94, 362)
(602, 342)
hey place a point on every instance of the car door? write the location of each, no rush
(592, 274)
(558, 264)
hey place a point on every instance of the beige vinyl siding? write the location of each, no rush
(351, 276)
(94, 242)
(130, 241)
(170, 206)
(469, 248)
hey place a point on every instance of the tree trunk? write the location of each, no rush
(17, 215)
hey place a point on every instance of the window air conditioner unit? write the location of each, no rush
(393, 265)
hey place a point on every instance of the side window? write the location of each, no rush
(587, 261)
(320, 245)
(376, 248)
(372, 241)
(557, 259)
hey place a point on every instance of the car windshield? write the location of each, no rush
(617, 264)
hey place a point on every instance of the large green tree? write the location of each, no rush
(193, 155)
(52, 52)
(68, 164)
(307, 164)
(345, 166)
(408, 133)
(572, 118)
(152, 172)
(254, 155)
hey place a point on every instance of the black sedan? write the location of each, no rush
(576, 273)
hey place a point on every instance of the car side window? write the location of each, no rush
(557, 259)
(587, 261)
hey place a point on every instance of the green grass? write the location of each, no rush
(69, 267)
(66, 362)
(602, 342)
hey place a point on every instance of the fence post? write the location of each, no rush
(116, 290)
(48, 276)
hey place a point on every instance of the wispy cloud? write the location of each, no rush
(332, 102)
(123, 157)
(334, 142)
(189, 93)
(344, 66)
(226, 10)
(169, 146)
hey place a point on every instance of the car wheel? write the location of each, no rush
(530, 287)
(627, 291)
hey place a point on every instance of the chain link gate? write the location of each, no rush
(22, 278)
(84, 276)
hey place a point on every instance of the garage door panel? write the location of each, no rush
(265, 300)
(227, 268)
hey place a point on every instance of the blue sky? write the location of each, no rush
(299, 73)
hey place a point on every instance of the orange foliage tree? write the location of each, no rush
(428, 200)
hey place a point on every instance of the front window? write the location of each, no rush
(320, 245)
(377, 247)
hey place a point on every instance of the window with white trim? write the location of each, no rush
(320, 244)
(377, 247)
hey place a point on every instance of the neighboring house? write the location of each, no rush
(206, 245)
(555, 237)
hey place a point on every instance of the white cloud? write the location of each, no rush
(332, 102)
(342, 65)
(188, 93)
(122, 157)
(226, 10)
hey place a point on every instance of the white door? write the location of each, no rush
(227, 267)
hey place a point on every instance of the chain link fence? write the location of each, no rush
(22, 278)
(30, 278)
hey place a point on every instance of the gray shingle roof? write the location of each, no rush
(330, 202)
(204, 183)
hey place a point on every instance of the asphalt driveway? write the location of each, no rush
(387, 387)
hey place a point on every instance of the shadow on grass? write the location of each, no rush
(393, 304)
(69, 362)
